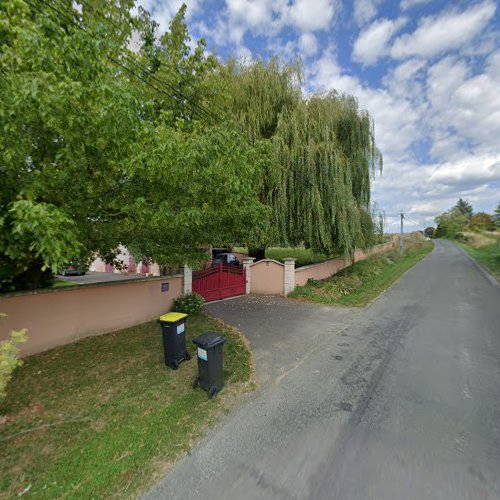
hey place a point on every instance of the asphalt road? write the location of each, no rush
(397, 401)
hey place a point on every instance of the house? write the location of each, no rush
(127, 265)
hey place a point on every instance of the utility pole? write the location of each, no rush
(401, 240)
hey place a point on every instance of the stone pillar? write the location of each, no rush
(289, 275)
(188, 280)
(247, 265)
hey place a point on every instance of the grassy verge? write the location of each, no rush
(104, 418)
(488, 256)
(64, 284)
(359, 284)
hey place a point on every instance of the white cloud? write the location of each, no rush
(477, 169)
(408, 4)
(408, 69)
(449, 30)
(371, 44)
(163, 11)
(365, 10)
(464, 108)
(310, 15)
(308, 44)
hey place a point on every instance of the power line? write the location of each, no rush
(113, 60)
(161, 82)
(101, 15)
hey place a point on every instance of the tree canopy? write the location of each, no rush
(116, 134)
(465, 208)
(92, 156)
(461, 217)
(323, 155)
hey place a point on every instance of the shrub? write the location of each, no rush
(313, 282)
(191, 304)
(9, 358)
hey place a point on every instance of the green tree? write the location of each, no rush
(451, 223)
(323, 155)
(465, 208)
(429, 232)
(496, 215)
(91, 156)
(482, 221)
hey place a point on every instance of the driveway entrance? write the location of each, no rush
(219, 282)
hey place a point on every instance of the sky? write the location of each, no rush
(427, 71)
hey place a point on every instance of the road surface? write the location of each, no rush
(401, 401)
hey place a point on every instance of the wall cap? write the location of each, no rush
(23, 293)
(268, 260)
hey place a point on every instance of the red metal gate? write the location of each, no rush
(219, 282)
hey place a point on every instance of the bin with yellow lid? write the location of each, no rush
(173, 329)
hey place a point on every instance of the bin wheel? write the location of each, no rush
(187, 356)
(174, 365)
(212, 392)
(196, 383)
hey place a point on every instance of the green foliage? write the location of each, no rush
(482, 222)
(496, 215)
(322, 157)
(92, 157)
(451, 223)
(485, 248)
(9, 357)
(191, 304)
(429, 232)
(465, 208)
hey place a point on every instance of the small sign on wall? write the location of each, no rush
(165, 287)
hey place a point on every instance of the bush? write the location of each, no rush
(9, 358)
(191, 304)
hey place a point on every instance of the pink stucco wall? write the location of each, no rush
(57, 317)
(319, 271)
(330, 267)
(268, 277)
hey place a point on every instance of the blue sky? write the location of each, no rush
(427, 71)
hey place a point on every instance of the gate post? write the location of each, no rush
(188, 280)
(289, 275)
(247, 264)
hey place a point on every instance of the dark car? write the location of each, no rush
(74, 269)
(226, 258)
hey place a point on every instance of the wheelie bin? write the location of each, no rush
(210, 362)
(173, 329)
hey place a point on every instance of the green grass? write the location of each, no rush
(488, 256)
(359, 284)
(64, 284)
(104, 417)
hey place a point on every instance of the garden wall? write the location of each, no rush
(268, 277)
(330, 267)
(319, 271)
(56, 317)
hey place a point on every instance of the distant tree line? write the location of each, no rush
(461, 218)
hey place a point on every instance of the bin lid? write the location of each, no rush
(172, 317)
(209, 339)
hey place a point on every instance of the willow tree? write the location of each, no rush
(323, 156)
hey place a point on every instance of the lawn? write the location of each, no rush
(487, 255)
(104, 417)
(359, 284)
